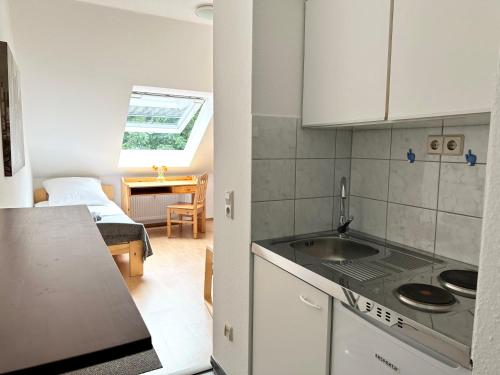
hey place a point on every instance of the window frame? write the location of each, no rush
(196, 103)
(170, 158)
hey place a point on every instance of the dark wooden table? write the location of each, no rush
(63, 302)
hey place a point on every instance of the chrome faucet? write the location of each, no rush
(343, 220)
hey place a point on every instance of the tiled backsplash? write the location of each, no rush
(434, 204)
(295, 177)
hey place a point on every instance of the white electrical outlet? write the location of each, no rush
(453, 145)
(435, 144)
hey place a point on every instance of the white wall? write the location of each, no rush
(273, 84)
(486, 341)
(79, 62)
(232, 138)
(16, 191)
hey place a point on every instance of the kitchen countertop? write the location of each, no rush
(395, 264)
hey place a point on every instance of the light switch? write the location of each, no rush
(228, 332)
(229, 203)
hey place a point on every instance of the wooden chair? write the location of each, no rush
(196, 210)
(209, 273)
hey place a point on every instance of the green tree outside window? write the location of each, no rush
(158, 141)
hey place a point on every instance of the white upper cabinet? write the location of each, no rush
(345, 61)
(444, 57)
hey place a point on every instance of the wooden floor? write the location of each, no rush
(170, 299)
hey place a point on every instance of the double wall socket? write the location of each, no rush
(445, 144)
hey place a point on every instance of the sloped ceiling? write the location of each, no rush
(178, 9)
(78, 63)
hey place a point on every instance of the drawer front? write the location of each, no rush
(183, 189)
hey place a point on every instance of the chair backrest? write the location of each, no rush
(201, 190)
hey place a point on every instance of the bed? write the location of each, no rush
(121, 234)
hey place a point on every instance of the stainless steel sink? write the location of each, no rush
(334, 249)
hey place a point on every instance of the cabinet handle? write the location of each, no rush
(308, 303)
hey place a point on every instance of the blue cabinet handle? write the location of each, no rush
(470, 158)
(410, 155)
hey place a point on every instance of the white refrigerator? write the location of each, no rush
(360, 347)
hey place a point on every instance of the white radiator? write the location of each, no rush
(153, 208)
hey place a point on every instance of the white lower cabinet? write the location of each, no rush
(291, 324)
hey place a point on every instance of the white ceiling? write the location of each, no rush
(178, 9)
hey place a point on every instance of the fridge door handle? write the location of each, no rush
(309, 303)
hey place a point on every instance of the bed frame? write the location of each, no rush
(133, 248)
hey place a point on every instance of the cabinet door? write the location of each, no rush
(291, 324)
(444, 57)
(345, 61)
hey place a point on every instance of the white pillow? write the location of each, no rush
(68, 191)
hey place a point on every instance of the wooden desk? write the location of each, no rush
(63, 302)
(153, 186)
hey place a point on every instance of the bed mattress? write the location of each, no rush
(108, 210)
(116, 227)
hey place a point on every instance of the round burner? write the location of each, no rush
(426, 297)
(461, 282)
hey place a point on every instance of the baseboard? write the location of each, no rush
(217, 369)
(164, 223)
(155, 225)
(195, 370)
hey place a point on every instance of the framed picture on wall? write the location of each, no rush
(11, 113)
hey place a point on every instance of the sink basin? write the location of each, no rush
(334, 249)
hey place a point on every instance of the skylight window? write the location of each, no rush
(161, 113)
(164, 126)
